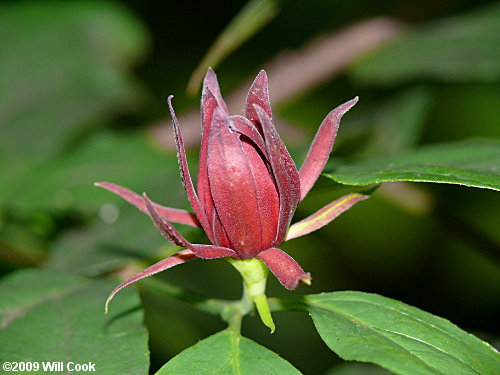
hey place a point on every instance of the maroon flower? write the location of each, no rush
(248, 186)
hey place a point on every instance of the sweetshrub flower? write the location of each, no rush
(247, 189)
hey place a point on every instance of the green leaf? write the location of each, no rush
(227, 353)
(474, 163)
(253, 17)
(67, 183)
(459, 49)
(370, 328)
(46, 316)
(64, 65)
(399, 122)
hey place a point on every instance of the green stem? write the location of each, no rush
(254, 274)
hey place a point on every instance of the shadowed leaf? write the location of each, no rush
(50, 316)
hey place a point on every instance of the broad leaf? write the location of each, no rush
(63, 66)
(459, 49)
(45, 316)
(474, 163)
(370, 328)
(227, 353)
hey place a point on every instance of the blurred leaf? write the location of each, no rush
(370, 328)
(398, 123)
(106, 245)
(227, 353)
(459, 49)
(64, 65)
(47, 316)
(462, 111)
(253, 17)
(67, 183)
(474, 163)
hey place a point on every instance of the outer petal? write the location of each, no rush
(210, 82)
(233, 188)
(284, 171)
(201, 251)
(171, 214)
(325, 215)
(186, 177)
(208, 105)
(267, 194)
(258, 95)
(284, 267)
(321, 147)
(220, 235)
(181, 257)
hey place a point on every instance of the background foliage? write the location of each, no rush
(83, 86)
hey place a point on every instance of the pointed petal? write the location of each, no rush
(321, 147)
(324, 216)
(212, 84)
(247, 128)
(258, 95)
(181, 257)
(233, 187)
(171, 214)
(208, 105)
(285, 268)
(284, 171)
(167, 229)
(212, 252)
(186, 177)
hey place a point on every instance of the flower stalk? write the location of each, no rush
(254, 274)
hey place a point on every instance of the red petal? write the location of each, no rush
(186, 177)
(171, 214)
(208, 105)
(258, 95)
(267, 195)
(181, 257)
(220, 235)
(325, 215)
(284, 267)
(212, 84)
(167, 229)
(247, 128)
(321, 147)
(285, 174)
(234, 188)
